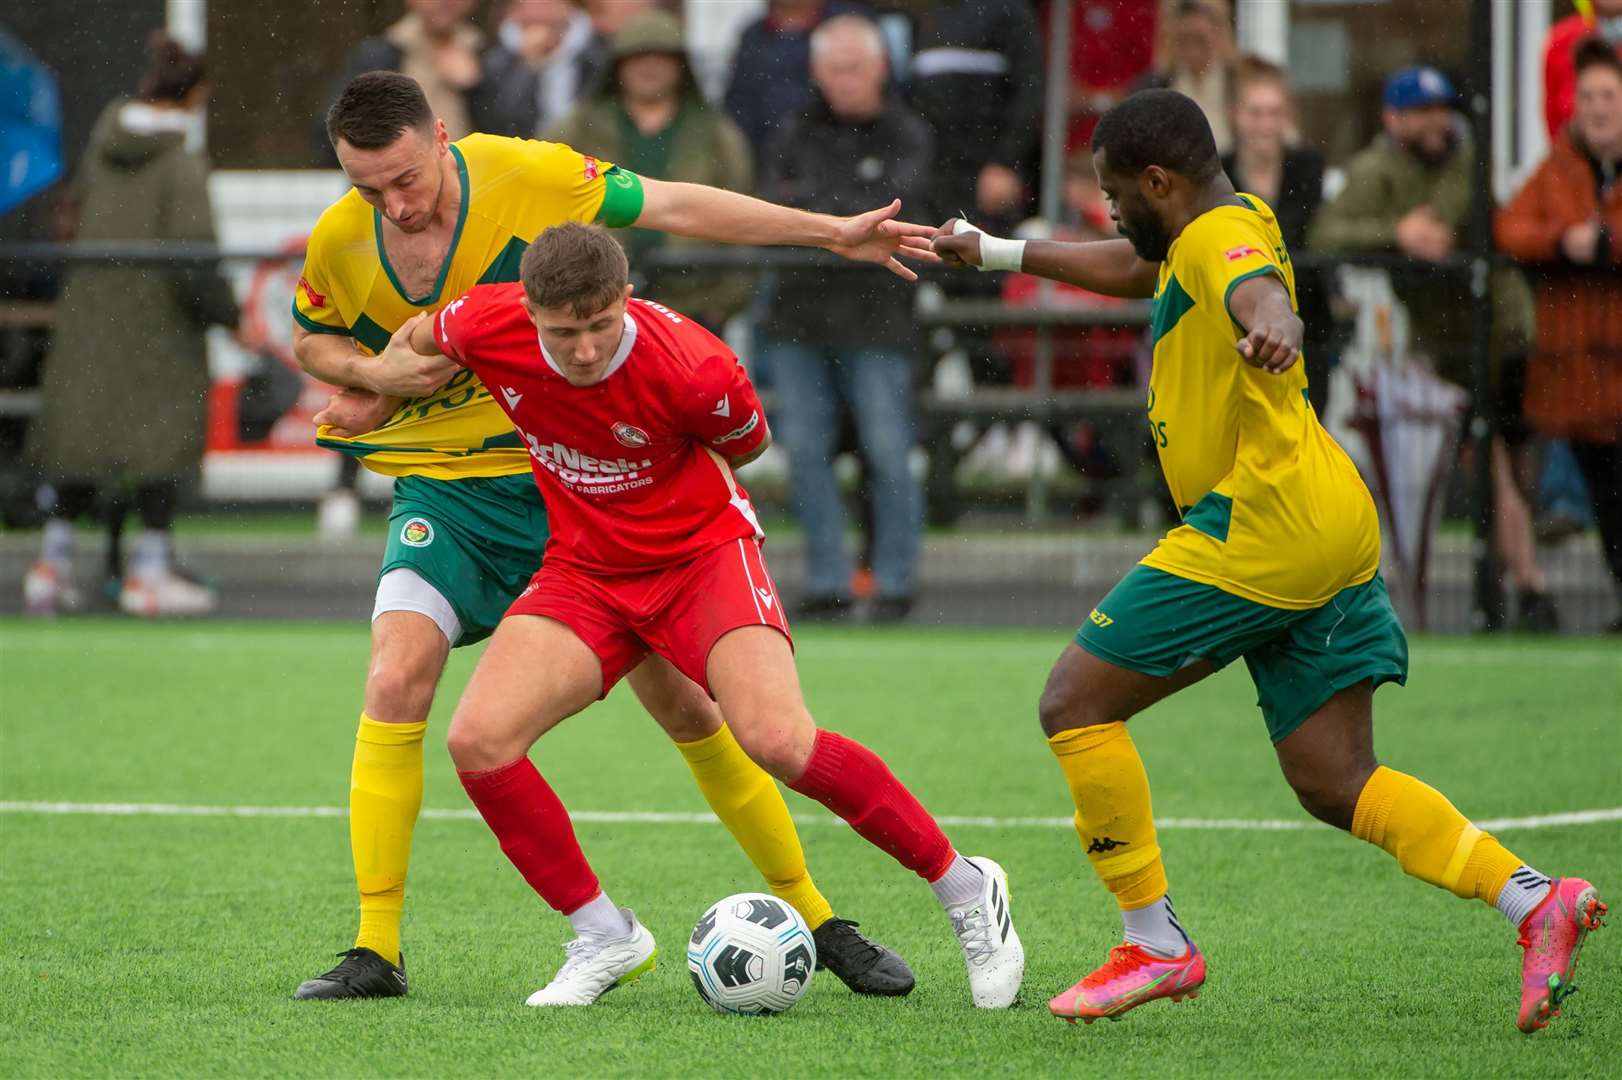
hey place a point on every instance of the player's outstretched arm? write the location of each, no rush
(1273, 333)
(406, 366)
(707, 213)
(1109, 267)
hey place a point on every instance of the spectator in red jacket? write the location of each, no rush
(1559, 71)
(1566, 224)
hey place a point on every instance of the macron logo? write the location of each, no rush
(513, 397)
(765, 596)
(723, 408)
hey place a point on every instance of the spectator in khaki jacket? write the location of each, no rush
(1567, 224)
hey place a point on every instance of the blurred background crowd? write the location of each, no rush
(952, 449)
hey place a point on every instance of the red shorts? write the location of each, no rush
(679, 612)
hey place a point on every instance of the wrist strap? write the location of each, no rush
(996, 252)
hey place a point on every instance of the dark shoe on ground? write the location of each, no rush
(1537, 614)
(891, 609)
(822, 607)
(865, 966)
(362, 974)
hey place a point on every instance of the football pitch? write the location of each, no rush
(173, 861)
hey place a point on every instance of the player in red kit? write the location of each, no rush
(635, 418)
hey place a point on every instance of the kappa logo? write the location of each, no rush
(513, 397)
(723, 408)
(1102, 844)
(765, 597)
(416, 532)
(630, 435)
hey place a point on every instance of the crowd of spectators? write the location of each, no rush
(840, 105)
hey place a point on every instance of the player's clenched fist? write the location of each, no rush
(351, 413)
(956, 244)
(1272, 346)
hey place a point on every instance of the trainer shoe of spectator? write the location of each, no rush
(822, 608)
(1537, 614)
(48, 589)
(338, 516)
(165, 594)
(890, 609)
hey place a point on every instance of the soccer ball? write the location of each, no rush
(752, 954)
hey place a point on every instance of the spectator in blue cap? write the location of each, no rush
(1419, 113)
(1410, 191)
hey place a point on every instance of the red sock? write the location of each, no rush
(854, 783)
(535, 832)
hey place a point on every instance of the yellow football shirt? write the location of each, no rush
(511, 190)
(1273, 510)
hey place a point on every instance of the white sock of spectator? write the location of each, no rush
(57, 547)
(150, 557)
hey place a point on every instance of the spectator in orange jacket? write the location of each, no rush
(1567, 223)
(1604, 20)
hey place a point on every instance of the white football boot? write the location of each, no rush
(165, 594)
(597, 965)
(991, 945)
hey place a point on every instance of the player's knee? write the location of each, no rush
(1329, 795)
(474, 745)
(1064, 707)
(782, 749)
(685, 715)
(398, 692)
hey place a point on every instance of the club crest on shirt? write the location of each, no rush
(630, 435)
(416, 532)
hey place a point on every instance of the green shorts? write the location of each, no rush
(1157, 624)
(477, 541)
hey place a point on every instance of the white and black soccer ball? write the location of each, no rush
(751, 953)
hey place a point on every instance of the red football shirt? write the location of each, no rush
(633, 468)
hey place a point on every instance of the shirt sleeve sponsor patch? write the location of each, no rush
(743, 431)
(1234, 254)
(316, 299)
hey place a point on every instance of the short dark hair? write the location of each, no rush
(1595, 52)
(375, 108)
(172, 71)
(576, 266)
(1158, 127)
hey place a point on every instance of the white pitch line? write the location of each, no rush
(652, 817)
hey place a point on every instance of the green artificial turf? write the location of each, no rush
(168, 945)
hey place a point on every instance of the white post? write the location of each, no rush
(1532, 27)
(1264, 28)
(713, 27)
(187, 22)
(1505, 97)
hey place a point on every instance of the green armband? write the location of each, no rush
(622, 198)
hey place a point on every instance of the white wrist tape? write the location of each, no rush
(996, 252)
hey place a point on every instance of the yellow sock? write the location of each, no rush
(751, 807)
(385, 793)
(1430, 839)
(1113, 816)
